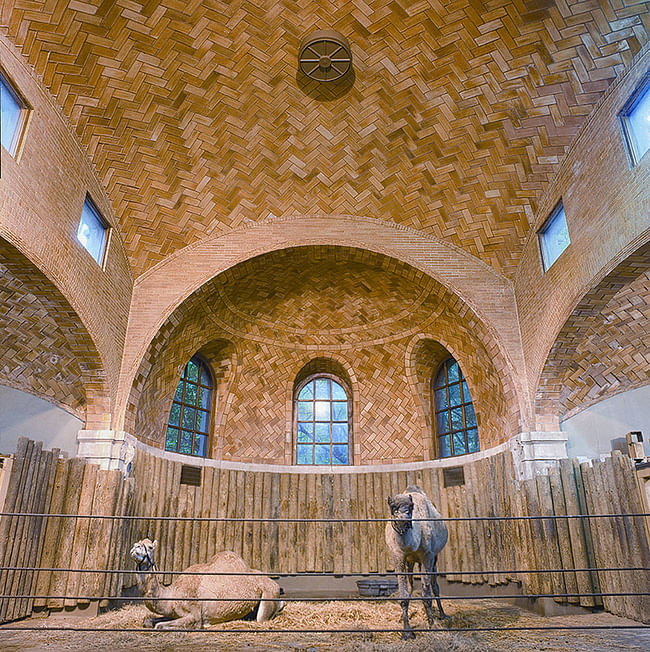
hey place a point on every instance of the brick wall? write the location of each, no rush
(270, 316)
(606, 204)
(41, 198)
(158, 293)
(604, 347)
(43, 340)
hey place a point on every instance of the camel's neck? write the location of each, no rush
(148, 582)
(408, 538)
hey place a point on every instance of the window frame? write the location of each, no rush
(541, 232)
(435, 411)
(631, 103)
(197, 359)
(18, 141)
(88, 201)
(348, 391)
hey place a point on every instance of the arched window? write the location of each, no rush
(188, 428)
(455, 420)
(323, 424)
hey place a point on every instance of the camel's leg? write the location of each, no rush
(191, 620)
(269, 607)
(404, 594)
(409, 577)
(435, 587)
(149, 621)
(426, 591)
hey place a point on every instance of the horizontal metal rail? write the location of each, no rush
(383, 598)
(18, 628)
(315, 574)
(227, 519)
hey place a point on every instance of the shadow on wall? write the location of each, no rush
(25, 415)
(598, 430)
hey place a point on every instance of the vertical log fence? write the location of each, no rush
(506, 549)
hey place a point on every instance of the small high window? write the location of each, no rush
(93, 231)
(635, 119)
(455, 420)
(554, 236)
(188, 428)
(13, 114)
(322, 422)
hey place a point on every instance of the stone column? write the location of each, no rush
(111, 449)
(534, 452)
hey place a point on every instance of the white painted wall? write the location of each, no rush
(598, 429)
(25, 415)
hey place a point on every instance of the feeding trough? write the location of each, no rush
(376, 587)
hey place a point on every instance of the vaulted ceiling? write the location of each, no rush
(455, 118)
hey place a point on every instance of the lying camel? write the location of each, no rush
(172, 603)
(410, 541)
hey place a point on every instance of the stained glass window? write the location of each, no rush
(554, 236)
(322, 423)
(188, 428)
(455, 420)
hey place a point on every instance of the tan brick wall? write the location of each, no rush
(41, 337)
(606, 204)
(357, 309)
(158, 293)
(42, 193)
(41, 198)
(604, 347)
(197, 121)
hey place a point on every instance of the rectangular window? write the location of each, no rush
(635, 120)
(93, 231)
(13, 115)
(554, 236)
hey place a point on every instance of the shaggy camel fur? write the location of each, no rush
(172, 601)
(412, 541)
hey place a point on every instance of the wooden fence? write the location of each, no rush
(43, 482)
(491, 552)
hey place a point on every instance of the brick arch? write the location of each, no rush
(486, 375)
(160, 291)
(603, 348)
(273, 334)
(45, 349)
(183, 336)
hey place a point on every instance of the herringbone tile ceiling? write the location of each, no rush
(196, 119)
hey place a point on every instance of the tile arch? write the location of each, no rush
(488, 376)
(45, 348)
(162, 289)
(376, 350)
(602, 348)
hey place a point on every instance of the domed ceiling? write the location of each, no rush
(455, 117)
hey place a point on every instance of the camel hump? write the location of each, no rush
(414, 489)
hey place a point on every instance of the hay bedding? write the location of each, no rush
(331, 615)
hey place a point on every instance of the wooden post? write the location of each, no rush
(52, 532)
(576, 537)
(22, 583)
(587, 529)
(23, 505)
(66, 540)
(82, 527)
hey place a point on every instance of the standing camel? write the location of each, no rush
(412, 541)
(206, 591)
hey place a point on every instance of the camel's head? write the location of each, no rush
(142, 552)
(401, 511)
